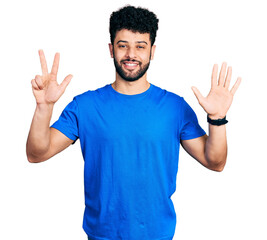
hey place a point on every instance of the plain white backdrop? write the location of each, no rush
(46, 201)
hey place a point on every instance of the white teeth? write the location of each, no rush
(131, 64)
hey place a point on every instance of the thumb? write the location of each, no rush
(65, 82)
(198, 95)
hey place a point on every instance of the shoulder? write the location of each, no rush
(91, 94)
(168, 96)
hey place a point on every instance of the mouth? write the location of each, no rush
(130, 65)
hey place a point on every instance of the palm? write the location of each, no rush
(219, 99)
(46, 88)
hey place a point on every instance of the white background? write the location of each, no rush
(46, 201)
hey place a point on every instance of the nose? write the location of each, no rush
(131, 53)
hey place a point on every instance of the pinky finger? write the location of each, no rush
(34, 85)
(236, 85)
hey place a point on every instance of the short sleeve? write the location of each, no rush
(190, 127)
(68, 121)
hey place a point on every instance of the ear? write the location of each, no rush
(111, 49)
(153, 48)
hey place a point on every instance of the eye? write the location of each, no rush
(140, 47)
(122, 46)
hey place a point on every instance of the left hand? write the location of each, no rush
(219, 99)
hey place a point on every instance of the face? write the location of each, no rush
(132, 53)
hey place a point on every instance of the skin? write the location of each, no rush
(134, 46)
(211, 151)
(44, 142)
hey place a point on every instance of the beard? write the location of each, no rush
(129, 75)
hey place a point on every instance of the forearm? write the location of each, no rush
(216, 147)
(39, 136)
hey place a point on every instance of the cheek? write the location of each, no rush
(145, 56)
(118, 55)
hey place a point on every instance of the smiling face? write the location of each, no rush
(132, 52)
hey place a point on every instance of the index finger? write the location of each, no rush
(54, 69)
(43, 62)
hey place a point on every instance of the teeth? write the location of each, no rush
(131, 64)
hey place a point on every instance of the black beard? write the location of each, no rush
(130, 78)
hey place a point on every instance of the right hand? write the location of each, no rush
(45, 88)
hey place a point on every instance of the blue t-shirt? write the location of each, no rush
(130, 145)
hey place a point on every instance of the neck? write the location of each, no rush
(130, 88)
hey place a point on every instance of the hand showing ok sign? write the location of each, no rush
(45, 88)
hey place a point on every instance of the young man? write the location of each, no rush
(130, 132)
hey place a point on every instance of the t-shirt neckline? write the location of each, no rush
(130, 96)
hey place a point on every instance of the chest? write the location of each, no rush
(110, 122)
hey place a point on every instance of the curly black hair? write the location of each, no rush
(135, 19)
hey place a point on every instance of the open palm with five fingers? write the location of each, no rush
(45, 88)
(220, 98)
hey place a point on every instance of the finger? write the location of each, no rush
(39, 82)
(236, 85)
(65, 82)
(43, 62)
(214, 75)
(198, 95)
(222, 74)
(55, 64)
(34, 85)
(228, 77)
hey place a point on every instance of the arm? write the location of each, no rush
(44, 142)
(211, 151)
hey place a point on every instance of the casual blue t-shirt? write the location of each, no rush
(130, 145)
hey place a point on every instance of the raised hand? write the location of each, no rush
(45, 88)
(219, 99)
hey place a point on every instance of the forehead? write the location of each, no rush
(130, 36)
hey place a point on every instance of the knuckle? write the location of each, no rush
(39, 78)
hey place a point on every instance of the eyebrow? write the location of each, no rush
(142, 42)
(123, 41)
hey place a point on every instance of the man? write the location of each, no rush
(130, 132)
